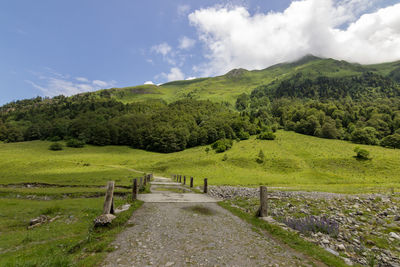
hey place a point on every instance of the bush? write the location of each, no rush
(55, 147)
(242, 135)
(261, 157)
(75, 143)
(222, 145)
(266, 136)
(225, 158)
(361, 153)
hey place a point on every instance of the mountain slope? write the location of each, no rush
(226, 88)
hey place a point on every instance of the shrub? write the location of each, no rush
(242, 135)
(222, 145)
(75, 143)
(225, 158)
(55, 146)
(261, 157)
(361, 153)
(269, 135)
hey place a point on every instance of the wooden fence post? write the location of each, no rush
(191, 181)
(180, 178)
(135, 189)
(184, 180)
(108, 207)
(263, 202)
(141, 182)
(144, 181)
(205, 186)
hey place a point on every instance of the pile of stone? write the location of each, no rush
(368, 224)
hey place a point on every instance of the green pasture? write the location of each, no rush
(69, 239)
(292, 161)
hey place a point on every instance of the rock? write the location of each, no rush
(325, 241)
(369, 242)
(332, 251)
(170, 263)
(123, 208)
(38, 221)
(104, 219)
(394, 235)
(347, 261)
(341, 247)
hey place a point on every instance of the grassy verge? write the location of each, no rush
(70, 240)
(293, 240)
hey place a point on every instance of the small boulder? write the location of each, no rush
(341, 247)
(104, 219)
(38, 221)
(394, 235)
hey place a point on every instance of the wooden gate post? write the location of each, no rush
(184, 180)
(263, 201)
(191, 181)
(205, 186)
(108, 207)
(135, 189)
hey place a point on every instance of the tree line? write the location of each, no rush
(151, 125)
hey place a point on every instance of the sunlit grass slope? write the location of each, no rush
(227, 87)
(292, 160)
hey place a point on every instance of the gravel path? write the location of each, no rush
(196, 234)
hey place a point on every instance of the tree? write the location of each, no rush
(242, 102)
(392, 141)
(366, 135)
(329, 130)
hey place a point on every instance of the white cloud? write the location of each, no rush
(190, 78)
(102, 84)
(173, 75)
(186, 43)
(234, 38)
(148, 82)
(52, 84)
(162, 48)
(82, 79)
(183, 10)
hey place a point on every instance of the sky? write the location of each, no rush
(48, 47)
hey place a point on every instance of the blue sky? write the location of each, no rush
(65, 47)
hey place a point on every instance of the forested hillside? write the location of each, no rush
(320, 97)
(150, 125)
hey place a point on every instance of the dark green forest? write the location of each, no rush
(364, 109)
(151, 125)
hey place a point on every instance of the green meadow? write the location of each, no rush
(292, 161)
(70, 185)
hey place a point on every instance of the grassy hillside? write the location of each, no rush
(227, 87)
(292, 160)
